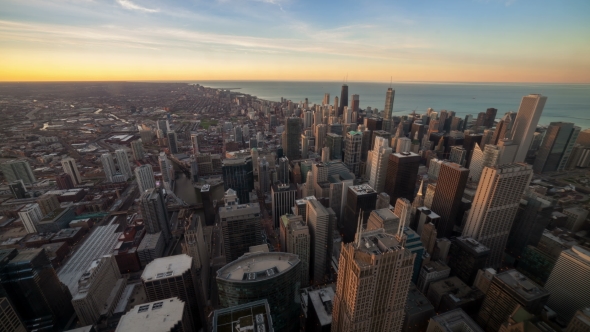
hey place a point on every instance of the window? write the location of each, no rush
(157, 305)
(143, 308)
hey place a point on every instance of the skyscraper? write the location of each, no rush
(402, 173)
(343, 99)
(352, 156)
(30, 215)
(568, 282)
(374, 275)
(97, 290)
(377, 164)
(292, 134)
(360, 201)
(264, 275)
(490, 117)
(154, 212)
(299, 243)
(162, 315)
(165, 168)
(321, 224)
(495, 205)
(175, 276)
(195, 139)
(35, 292)
(389, 97)
(172, 141)
(334, 142)
(283, 170)
(137, 149)
(144, 175)
(452, 180)
(123, 162)
(263, 175)
(507, 291)
(9, 320)
(64, 181)
(18, 170)
(240, 226)
(238, 175)
(70, 167)
(355, 104)
(195, 246)
(556, 147)
(108, 166)
(283, 198)
(321, 130)
(526, 122)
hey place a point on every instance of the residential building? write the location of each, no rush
(144, 175)
(30, 216)
(19, 169)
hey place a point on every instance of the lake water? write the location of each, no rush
(565, 102)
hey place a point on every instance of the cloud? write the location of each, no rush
(127, 4)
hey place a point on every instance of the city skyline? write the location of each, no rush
(474, 41)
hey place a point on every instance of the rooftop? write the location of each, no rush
(154, 316)
(237, 210)
(417, 302)
(322, 300)
(377, 242)
(472, 245)
(243, 318)
(362, 189)
(166, 267)
(455, 321)
(521, 285)
(258, 266)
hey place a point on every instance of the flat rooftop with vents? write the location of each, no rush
(258, 266)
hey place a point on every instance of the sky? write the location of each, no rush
(296, 40)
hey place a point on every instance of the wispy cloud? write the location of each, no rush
(127, 4)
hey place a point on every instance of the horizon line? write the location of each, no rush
(294, 81)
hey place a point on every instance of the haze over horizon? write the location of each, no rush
(140, 40)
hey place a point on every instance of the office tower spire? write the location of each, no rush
(526, 122)
(376, 272)
(343, 99)
(495, 205)
(419, 199)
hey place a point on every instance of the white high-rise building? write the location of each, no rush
(144, 175)
(568, 282)
(298, 242)
(404, 144)
(123, 162)
(475, 166)
(377, 168)
(526, 122)
(70, 167)
(495, 205)
(29, 216)
(108, 165)
(165, 168)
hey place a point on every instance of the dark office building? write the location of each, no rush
(360, 199)
(490, 117)
(556, 147)
(402, 173)
(343, 100)
(18, 189)
(507, 291)
(64, 181)
(35, 292)
(447, 197)
(291, 138)
(469, 144)
(531, 220)
(466, 258)
(373, 123)
(238, 175)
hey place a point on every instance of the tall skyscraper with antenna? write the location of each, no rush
(389, 96)
(343, 99)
